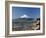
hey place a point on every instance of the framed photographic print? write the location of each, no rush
(24, 18)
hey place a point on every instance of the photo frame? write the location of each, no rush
(17, 12)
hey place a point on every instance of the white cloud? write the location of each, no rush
(24, 16)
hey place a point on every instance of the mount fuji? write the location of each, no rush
(23, 18)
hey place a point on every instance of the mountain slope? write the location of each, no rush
(23, 20)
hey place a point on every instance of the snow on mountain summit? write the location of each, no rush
(24, 16)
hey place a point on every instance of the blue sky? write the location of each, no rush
(17, 12)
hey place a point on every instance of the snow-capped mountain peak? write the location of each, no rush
(24, 16)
